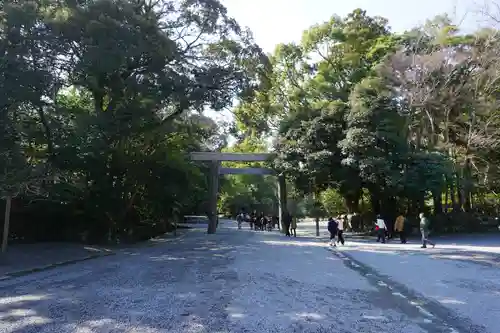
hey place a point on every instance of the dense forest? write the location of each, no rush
(102, 101)
(374, 122)
(100, 106)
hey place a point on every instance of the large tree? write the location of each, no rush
(409, 119)
(104, 94)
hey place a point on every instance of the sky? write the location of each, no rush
(278, 21)
(281, 21)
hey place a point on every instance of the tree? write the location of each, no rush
(347, 49)
(332, 202)
(104, 94)
(411, 118)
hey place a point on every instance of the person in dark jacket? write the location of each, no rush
(253, 218)
(276, 221)
(287, 221)
(332, 229)
(262, 221)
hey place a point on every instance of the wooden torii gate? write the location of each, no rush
(216, 171)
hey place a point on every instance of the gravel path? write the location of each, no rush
(462, 284)
(458, 282)
(234, 281)
(296, 285)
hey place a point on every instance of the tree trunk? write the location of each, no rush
(460, 194)
(446, 195)
(47, 132)
(317, 226)
(390, 208)
(438, 204)
(375, 202)
(453, 196)
(467, 200)
(214, 191)
(5, 240)
(283, 206)
(351, 202)
(467, 185)
(421, 203)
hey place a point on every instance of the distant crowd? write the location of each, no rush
(336, 229)
(336, 226)
(259, 222)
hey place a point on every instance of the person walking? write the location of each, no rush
(424, 231)
(239, 219)
(293, 226)
(262, 221)
(286, 223)
(348, 227)
(399, 228)
(253, 218)
(381, 229)
(332, 229)
(276, 221)
(340, 229)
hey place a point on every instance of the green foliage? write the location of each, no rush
(401, 122)
(98, 102)
(311, 133)
(373, 143)
(332, 202)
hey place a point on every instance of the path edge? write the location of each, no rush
(102, 253)
(28, 271)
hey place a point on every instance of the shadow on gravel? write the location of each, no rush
(181, 285)
(228, 282)
(477, 254)
(295, 285)
(453, 281)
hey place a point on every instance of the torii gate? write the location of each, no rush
(216, 170)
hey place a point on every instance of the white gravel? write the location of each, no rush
(295, 285)
(465, 282)
(234, 281)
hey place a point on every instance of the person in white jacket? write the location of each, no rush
(340, 229)
(380, 228)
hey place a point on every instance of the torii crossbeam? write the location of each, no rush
(216, 170)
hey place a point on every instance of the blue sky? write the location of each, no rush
(281, 21)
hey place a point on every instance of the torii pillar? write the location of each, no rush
(215, 159)
(282, 198)
(214, 196)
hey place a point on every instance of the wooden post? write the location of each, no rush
(282, 195)
(177, 216)
(316, 212)
(214, 194)
(5, 240)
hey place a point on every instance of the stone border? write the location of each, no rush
(103, 253)
(28, 271)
